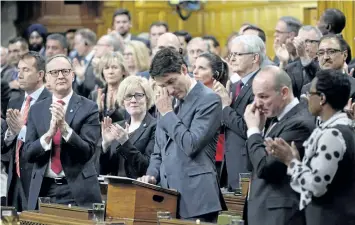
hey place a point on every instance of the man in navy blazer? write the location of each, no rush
(60, 142)
(185, 138)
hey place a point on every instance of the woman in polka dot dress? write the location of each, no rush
(325, 178)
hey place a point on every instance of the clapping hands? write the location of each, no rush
(111, 132)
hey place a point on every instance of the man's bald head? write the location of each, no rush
(168, 40)
(195, 48)
(275, 76)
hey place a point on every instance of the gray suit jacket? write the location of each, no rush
(271, 199)
(184, 152)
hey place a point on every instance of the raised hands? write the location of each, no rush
(112, 132)
(14, 120)
(224, 93)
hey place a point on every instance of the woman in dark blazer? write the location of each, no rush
(325, 178)
(127, 145)
(112, 72)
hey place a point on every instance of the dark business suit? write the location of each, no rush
(271, 199)
(184, 152)
(146, 42)
(90, 82)
(116, 114)
(136, 151)
(301, 75)
(235, 132)
(336, 206)
(25, 167)
(76, 155)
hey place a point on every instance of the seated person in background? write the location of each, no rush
(112, 72)
(127, 146)
(325, 177)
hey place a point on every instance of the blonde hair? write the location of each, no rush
(134, 82)
(140, 54)
(109, 59)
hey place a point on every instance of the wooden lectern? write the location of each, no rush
(129, 198)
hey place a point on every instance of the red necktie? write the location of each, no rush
(19, 142)
(238, 88)
(56, 164)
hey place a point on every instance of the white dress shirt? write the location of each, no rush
(48, 146)
(9, 136)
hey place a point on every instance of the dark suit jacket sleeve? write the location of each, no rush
(81, 147)
(268, 167)
(233, 121)
(204, 125)
(155, 162)
(85, 141)
(137, 160)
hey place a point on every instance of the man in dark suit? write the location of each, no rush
(303, 70)
(186, 138)
(63, 131)
(85, 79)
(332, 54)
(271, 200)
(31, 74)
(121, 23)
(246, 62)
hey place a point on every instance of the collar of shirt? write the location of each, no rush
(127, 38)
(288, 108)
(66, 99)
(247, 77)
(89, 57)
(339, 118)
(234, 78)
(35, 95)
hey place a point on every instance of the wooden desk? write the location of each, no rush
(181, 222)
(234, 203)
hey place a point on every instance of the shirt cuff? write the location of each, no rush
(67, 137)
(45, 146)
(105, 146)
(22, 134)
(79, 81)
(305, 61)
(253, 130)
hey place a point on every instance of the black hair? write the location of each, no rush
(213, 39)
(60, 38)
(185, 34)
(119, 12)
(166, 60)
(70, 31)
(336, 19)
(158, 24)
(344, 46)
(218, 66)
(261, 33)
(335, 86)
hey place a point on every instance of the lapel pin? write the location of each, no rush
(71, 110)
(144, 125)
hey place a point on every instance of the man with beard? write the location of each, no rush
(121, 23)
(36, 35)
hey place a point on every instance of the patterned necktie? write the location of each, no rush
(238, 88)
(19, 142)
(56, 165)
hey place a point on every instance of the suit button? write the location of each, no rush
(164, 175)
(166, 153)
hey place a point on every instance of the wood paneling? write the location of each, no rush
(348, 8)
(218, 18)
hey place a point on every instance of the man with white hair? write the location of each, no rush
(247, 54)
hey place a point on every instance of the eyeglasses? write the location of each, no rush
(310, 93)
(234, 54)
(328, 51)
(137, 96)
(309, 41)
(55, 73)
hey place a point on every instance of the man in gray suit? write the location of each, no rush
(271, 200)
(185, 141)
